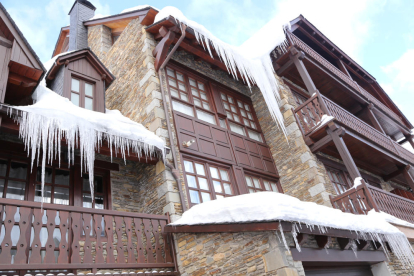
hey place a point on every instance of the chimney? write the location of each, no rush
(81, 11)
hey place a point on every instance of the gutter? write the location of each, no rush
(173, 168)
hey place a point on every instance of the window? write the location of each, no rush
(258, 184)
(299, 99)
(193, 96)
(57, 186)
(98, 202)
(206, 182)
(13, 179)
(341, 180)
(82, 93)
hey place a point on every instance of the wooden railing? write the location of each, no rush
(365, 198)
(358, 89)
(69, 238)
(310, 114)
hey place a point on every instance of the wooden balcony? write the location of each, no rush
(365, 198)
(364, 141)
(68, 238)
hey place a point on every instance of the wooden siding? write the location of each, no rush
(19, 56)
(4, 70)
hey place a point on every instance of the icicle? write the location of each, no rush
(294, 235)
(283, 236)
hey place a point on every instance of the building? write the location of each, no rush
(222, 141)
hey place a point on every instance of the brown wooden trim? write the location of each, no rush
(223, 228)
(334, 255)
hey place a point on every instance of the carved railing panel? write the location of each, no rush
(66, 237)
(354, 201)
(321, 60)
(309, 114)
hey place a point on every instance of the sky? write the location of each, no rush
(378, 34)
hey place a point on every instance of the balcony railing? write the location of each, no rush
(365, 198)
(310, 115)
(329, 66)
(70, 238)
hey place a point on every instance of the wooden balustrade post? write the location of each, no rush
(344, 153)
(369, 195)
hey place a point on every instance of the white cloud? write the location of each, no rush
(387, 88)
(401, 71)
(41, 24)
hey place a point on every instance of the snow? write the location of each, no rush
(324, 120)
(252, 59)
(53, 117)
(270, 206)
(357, 182)
(97, 16)
(396, 221)
(140, 7)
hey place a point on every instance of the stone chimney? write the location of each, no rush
(81, 11)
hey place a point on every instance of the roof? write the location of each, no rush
(70, 55)
(22, 37)
(83, 2)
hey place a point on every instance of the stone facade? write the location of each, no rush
(100, 40)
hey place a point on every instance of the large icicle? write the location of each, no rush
(270, 206)
(252, 59)
(44, 124)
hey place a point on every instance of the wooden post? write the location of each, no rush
(408, 177)
(344, 153)
(373, 118)
(297, 56)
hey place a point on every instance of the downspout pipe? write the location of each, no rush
(173, 168)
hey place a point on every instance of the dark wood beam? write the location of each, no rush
(344, 243)
(323, 241)
(285, 66)
(408, 177)
(344, 153)
(161, 50)
(342, 67)
(410, 140)
(373, 118)
(362, 244)
(376, 245)
(393, 174)
(321, 144)
(20, 80)
(297, 58)
(333, 256)
(302, 238)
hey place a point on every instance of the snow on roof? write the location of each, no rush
(97, 16)
(53, 117)
(271, 206)
(252, 60)
(140, 7)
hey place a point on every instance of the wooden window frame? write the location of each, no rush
(261, 179)
(82, 83)
(15, 159)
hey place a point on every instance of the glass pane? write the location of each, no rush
(227, 188)
(99, 186)
(87, 200)
(195, 198)
(89, 90)
(238, 129)
(203, 96)
(214, 173)
(207, 117)
(206, 105)
(203, 183)
(233, 108)
(86, 185)
(191, 181)
(200, 169)
(193, 83)
(1, 187)
(223, 123)
(249, 115)
(229, 115)
(243, 113)
(181, 86)
(246, 122)
(99, 202)
(183, 108)
(226, 106)
(88, 103)
(223, 96)
(267, 186)
(172, 82)
(206, 197)
(230, 99)
(251, 191)
(236, 118)
(3, 167)
(170, 72)
(195, 92)
(61, 196)
(224, 175)
(180, 77)
(62, 177)
(75, 85)
(197, 102)
(240, 104)
(201, 86)
(274, 187)
(74, 98)
(253, 125)
(188, 166)
(256, 183)
(255, 135)
(15, 189)
(249, 181)
(246, 107)
(38, 194)
(174, 92)
(184, 96)
(48, 175)
(18, 170)
(217, 187)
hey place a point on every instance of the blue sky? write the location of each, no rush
(378, 34)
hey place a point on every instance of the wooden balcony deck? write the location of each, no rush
(365, 198)
(310, 115)
(294, 40)
(54, 238)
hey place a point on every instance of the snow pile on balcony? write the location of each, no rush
(252, 60)
(394, 220)
(52, 118)
(270, 206)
